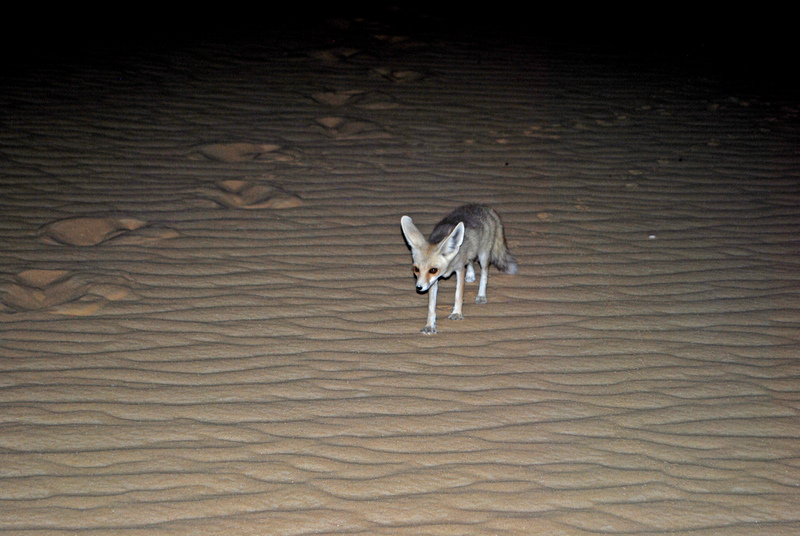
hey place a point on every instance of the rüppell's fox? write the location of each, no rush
(469, 232)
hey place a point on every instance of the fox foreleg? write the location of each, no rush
(430, 327)
(456, 314)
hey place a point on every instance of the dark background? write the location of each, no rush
(753, 47)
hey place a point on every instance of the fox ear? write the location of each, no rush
(415, 239)
(453, 241)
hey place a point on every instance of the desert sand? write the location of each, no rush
(208, 322)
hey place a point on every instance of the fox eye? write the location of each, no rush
(433, 271)
(416, 269)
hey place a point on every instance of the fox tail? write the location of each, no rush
(501, 256)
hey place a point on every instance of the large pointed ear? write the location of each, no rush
(415, 239)
(453, 241)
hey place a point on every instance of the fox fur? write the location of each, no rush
(468, 233)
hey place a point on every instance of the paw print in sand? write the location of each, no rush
(245, 194)
(399, 76)
(351, 129)
(90, 231)
(241, 152)
(61, 292)
(369, 100)
(335, 56)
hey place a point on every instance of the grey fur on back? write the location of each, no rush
(478, 219)
(472, 215)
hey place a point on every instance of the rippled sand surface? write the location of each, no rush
(208, 322)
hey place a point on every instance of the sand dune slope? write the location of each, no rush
(208, 323)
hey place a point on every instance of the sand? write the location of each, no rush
(208, 322)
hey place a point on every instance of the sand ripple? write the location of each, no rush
(225, 340)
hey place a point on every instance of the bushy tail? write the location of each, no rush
(501, 256)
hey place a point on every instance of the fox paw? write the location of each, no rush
(456, 316)
(481, 299)
(428, 330)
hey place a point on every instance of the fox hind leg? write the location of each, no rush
(483, 259)
(470, 277)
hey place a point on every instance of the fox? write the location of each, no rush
(468, 233)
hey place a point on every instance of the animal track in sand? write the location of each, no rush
(334, 55)
(370, 100)
(343, 128)
(401, 76)
(242, 152)
(245, 194)
(395, 39)
(90, 231)
(61, 292)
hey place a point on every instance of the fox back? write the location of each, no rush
(483, 233)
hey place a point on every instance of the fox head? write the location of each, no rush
(431, 260)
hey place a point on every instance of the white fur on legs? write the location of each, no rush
(470, 277)
(483, 259)
(430, 327)
(456, 314)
